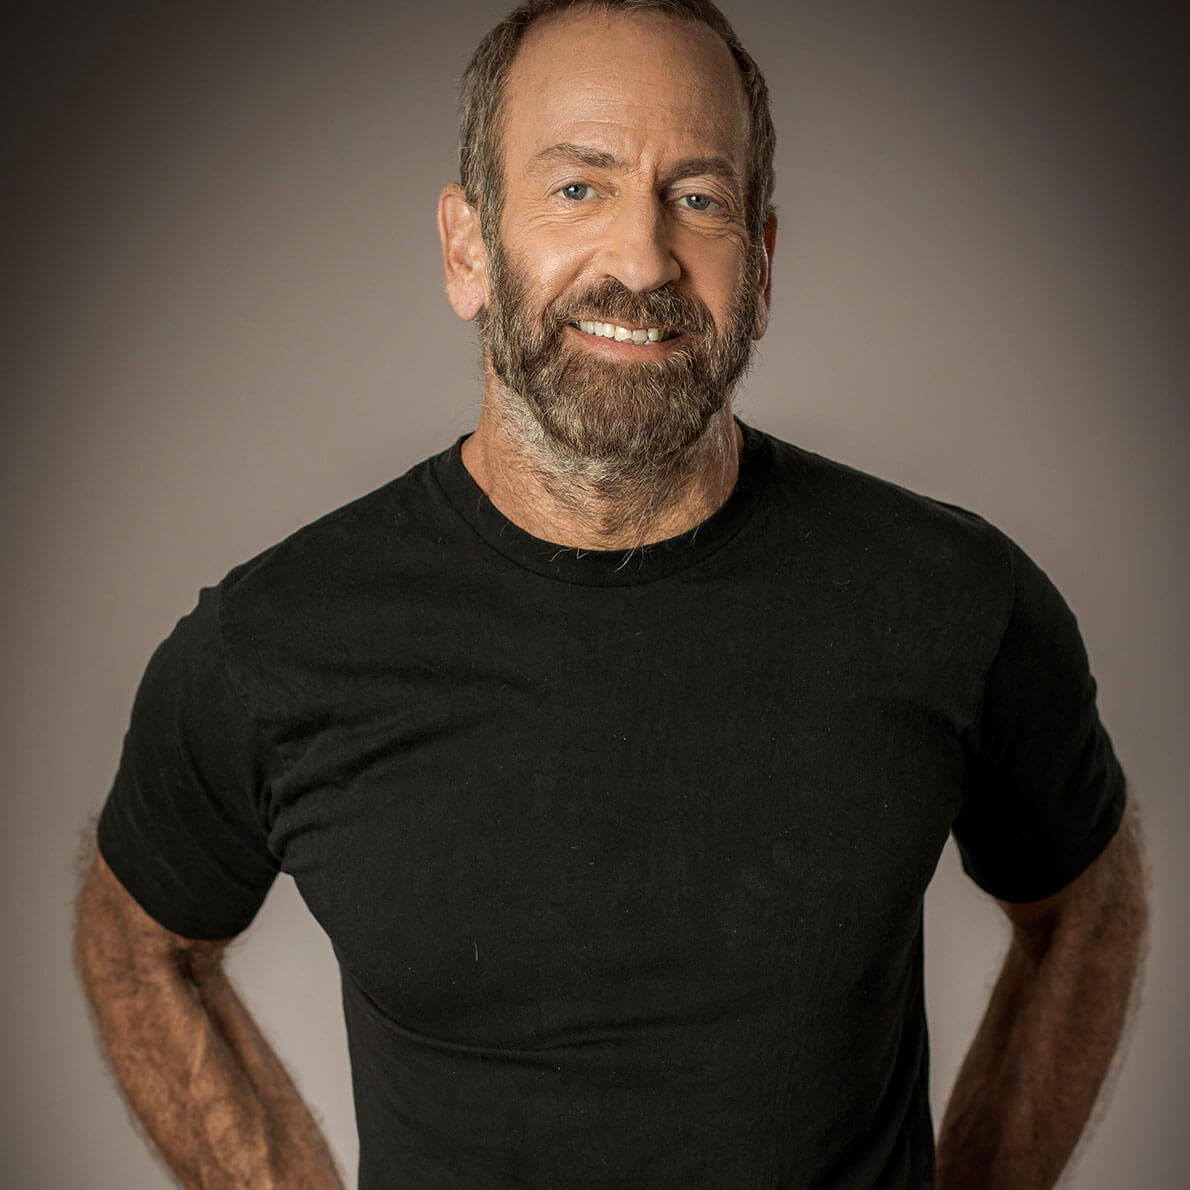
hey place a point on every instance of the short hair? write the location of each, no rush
(485, 81)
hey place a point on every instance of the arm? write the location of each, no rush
(1027, 1086)
(190, 1059)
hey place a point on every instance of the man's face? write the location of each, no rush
(623, 294)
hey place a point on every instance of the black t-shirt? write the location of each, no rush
(622, 855)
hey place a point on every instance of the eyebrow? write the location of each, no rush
(582, 154)
(712, 165)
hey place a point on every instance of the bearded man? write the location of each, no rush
(614, 748)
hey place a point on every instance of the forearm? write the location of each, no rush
(197, 1071)
(1029, 1082)
(1025, 1089)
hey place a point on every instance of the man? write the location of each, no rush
(614, 748)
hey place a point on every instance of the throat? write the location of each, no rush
(596, 506)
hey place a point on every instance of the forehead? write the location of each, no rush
(636, 81)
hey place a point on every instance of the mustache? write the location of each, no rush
(612, 301)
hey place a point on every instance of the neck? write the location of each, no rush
(585, 507)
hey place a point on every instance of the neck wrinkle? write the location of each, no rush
(588, 506)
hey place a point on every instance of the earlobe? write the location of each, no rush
(764, 281)
(463, 257)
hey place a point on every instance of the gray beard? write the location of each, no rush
(630, 432)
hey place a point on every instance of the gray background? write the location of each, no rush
(224, 316)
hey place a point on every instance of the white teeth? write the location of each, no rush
(622, 334)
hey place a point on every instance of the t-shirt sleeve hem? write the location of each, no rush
(1039, 885)
(132, 871)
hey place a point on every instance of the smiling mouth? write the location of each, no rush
(626, 334)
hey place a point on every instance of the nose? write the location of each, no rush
(638, 251)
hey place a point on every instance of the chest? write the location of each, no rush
(514, 801)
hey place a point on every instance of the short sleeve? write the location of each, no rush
(1045, 791)
(183, 828)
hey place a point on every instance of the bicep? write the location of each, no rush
(185, 827)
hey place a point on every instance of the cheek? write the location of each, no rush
(721, 290)
(715, 269)
(549, 259)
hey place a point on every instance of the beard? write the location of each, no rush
(605, 421)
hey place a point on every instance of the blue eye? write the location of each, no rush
(697, 202)
(576, 191)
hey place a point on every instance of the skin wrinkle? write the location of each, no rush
(569, 153)
(573, 411)
(627, 451)
(1066, 982)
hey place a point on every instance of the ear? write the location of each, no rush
(764, 282)
(463, 257)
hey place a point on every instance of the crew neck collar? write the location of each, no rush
(606, 568)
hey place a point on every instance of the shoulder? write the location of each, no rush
(886, 528)
(317, 594)
(341, 553)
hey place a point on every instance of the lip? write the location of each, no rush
(623, 352)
